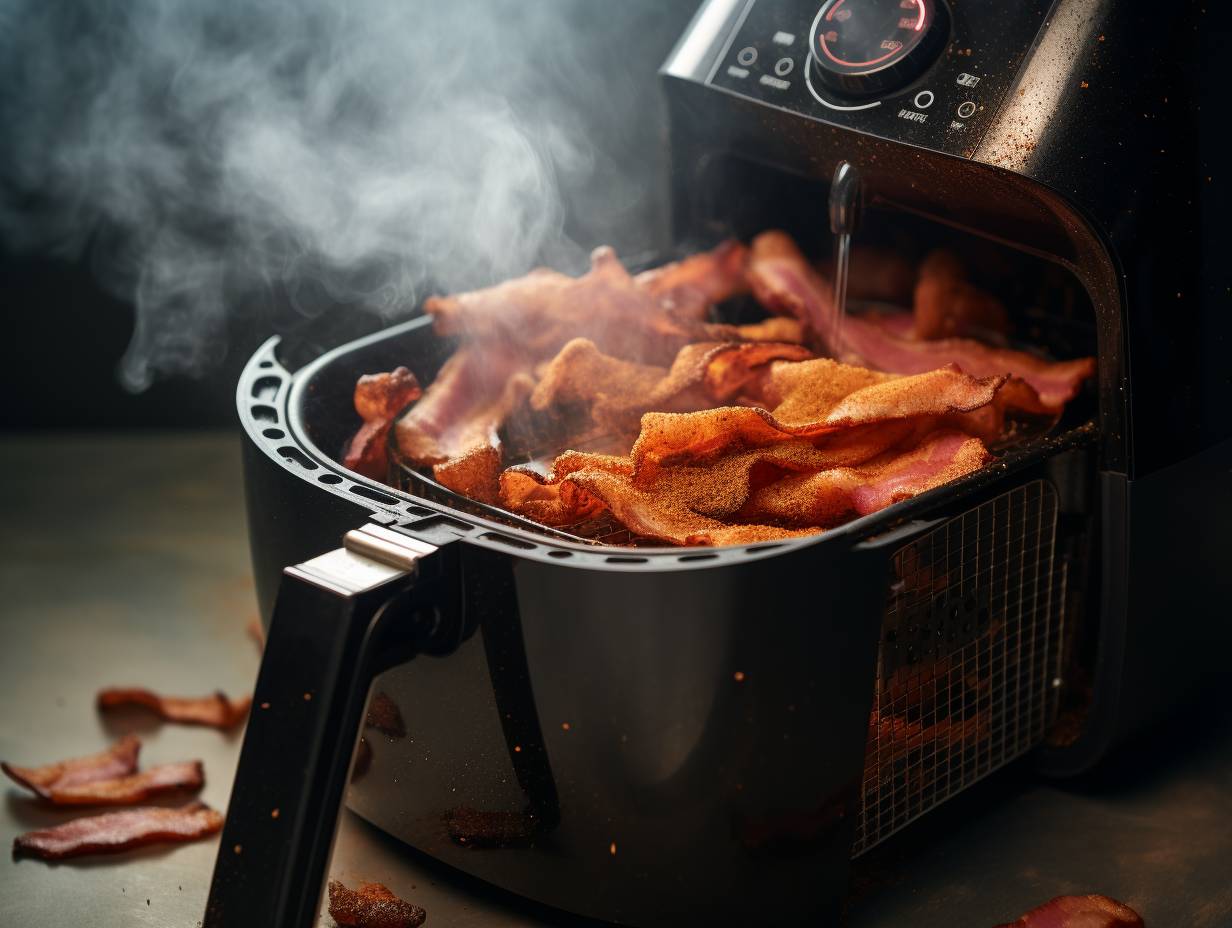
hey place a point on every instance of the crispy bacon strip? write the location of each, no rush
(373, 905)
(119, 760)
(137, 787)
(215, 710)
(784, 283)
(120, 831)
(378, 399)
(1079, 912)
(947, 304)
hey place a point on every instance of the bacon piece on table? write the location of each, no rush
(784, 283)
(119, 831)
(215, 710)
(119, 760)
(373, 905)
(1079, 912)
(134, 788)
(378, 399)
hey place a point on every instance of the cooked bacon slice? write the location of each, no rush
(783, 282)
(690, 287)
(475, 391)
(946, 303)
(120, 831)
(119, 760)
(215, 710)
(137, 787)
(1079, 912)
(877, 274)
(373, 905)
(378, 399)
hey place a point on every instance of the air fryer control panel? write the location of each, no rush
(919, 71)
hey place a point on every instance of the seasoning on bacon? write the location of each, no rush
(184, 776)
(373, 905)
(120, 831)
(1079, 912)
(215, 710)
(785, 283)
(119, 760)
(378, 399)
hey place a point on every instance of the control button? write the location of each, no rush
(783, 38)
(747, 55)
(774, 82)
(923, 99)
(966, 109)
(967, 80)
(733, 71)
(783, 66)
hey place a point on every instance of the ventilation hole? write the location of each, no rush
(419, 511)
(560, 554)
(264, 413)
(375, 495)
(506, 540)
(298, 457)
(266, 364)
(697, 557)
(626, 560)
(331, 479)
(760, 548)
(265, 388)
(274, 433)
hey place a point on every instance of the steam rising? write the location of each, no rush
(209, 155)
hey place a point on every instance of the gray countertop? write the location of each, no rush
(124, 560)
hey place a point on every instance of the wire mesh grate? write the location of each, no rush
(968, 669)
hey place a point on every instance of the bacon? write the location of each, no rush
(119, 760)
(373, 905)
(120, 831)
(947, 304)
(137, 787)
(1079, 912)
(378, 399)
(215, 711)
(715, 275)
(784, 283)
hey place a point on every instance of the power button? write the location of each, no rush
(965, 110)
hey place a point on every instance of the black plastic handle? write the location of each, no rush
(326, 643)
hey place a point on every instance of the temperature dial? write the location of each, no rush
(869, 48)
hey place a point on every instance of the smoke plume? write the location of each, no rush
(206, 155)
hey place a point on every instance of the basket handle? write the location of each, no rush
(338, 621)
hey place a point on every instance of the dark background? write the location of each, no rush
(65, 333)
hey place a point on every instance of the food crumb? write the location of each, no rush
(564, 725)
(1084, 85)
(239, 849)
(274, 814)
(517, 749)
(307, 697)
(265, 705)
(612, 849)
(738, 676)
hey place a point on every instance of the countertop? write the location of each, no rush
(124, 560)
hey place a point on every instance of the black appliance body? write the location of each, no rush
(662, 736)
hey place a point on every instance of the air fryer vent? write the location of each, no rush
(968, 670)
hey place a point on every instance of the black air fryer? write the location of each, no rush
(657, 736)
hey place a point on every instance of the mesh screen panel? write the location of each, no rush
(969, 662)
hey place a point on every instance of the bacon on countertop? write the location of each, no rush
(136, 787)
(1093, 911)
(215, 710)
(784, 282)
(120, 831)
(373, 905)
(378, 399)
(119, 760)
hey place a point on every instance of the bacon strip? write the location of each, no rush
(137, 787)
(378, 399)
(947, 304)
(119, 760)
(120, 831)
(215, 711)
(373, 905)
(784, 283)
(1079, 912)
(717, 275)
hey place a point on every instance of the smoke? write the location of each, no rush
(207, 156)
